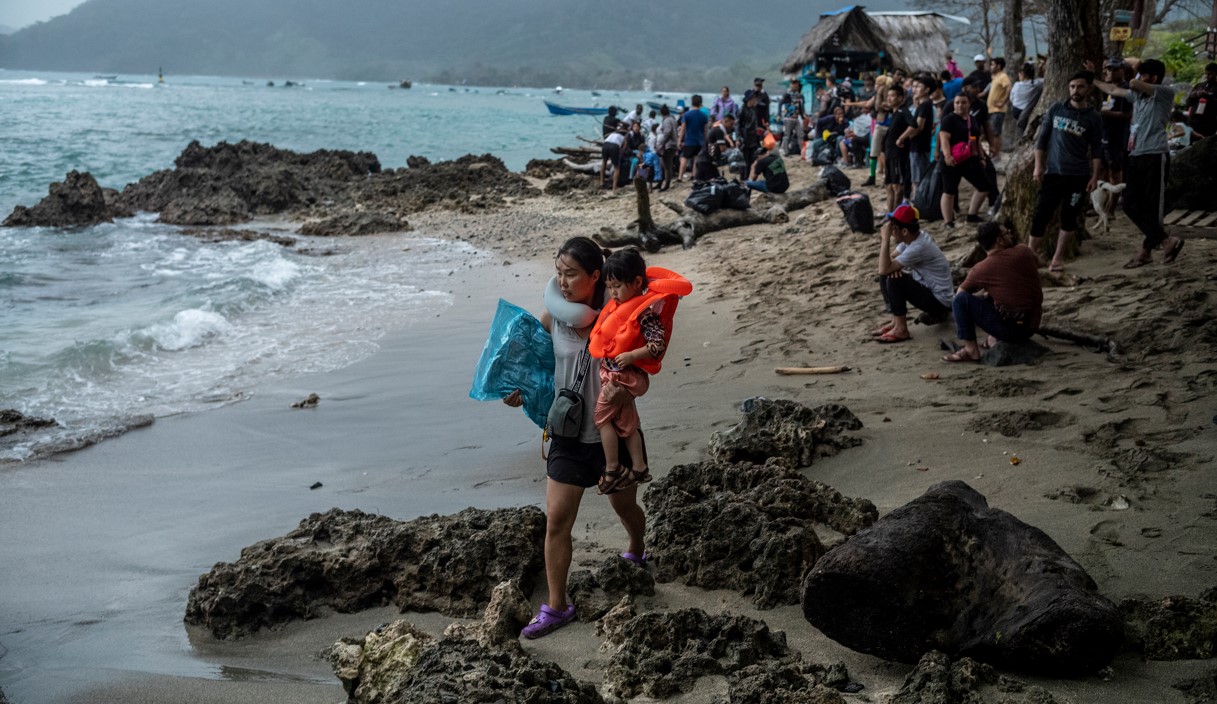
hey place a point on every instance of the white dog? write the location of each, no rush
(1101, 198)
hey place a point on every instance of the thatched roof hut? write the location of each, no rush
(852, 37)
(922, 37)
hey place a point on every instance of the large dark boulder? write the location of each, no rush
(946, 572)
(1173, 627)
(76, 201)
(785, 429)
(1193, 180)
(348, 560)
(744, 526)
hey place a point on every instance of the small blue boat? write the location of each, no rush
(555, 109)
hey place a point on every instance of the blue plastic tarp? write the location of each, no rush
(519, 354)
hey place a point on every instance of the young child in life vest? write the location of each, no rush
(629, 339)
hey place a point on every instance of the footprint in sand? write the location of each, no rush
(1107, 532)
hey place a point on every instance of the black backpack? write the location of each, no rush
(835, 179)
(859, 214)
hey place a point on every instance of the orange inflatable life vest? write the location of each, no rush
(617, 328)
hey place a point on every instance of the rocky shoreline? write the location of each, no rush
(943, 582)
(329, 192)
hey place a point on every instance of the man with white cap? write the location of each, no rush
(980, 75)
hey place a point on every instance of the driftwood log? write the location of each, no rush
(577, 152)
(592, 167)
(690, 224)
(1091, 342)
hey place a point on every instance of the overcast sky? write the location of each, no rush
(19, 13)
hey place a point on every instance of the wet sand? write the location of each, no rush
(101, 547)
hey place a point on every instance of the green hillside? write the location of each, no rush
(507, 42)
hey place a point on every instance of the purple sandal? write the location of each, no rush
(637, 560)
(548, 620)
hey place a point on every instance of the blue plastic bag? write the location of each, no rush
(519, 354)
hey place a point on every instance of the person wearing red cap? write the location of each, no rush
(915, 272)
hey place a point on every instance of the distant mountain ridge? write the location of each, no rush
(489, 42)
(5, 29)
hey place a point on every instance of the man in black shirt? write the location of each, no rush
(610, 122)
(1067, 158)
(772, 172)
(762, 101)
(980, 76)
(749, 129)
(719, 138)
(897, 176)
(923, 129)
(1117, 114)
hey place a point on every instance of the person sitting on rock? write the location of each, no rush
(1001, 294)
(768, 174)
(831, 128)
(916, 272)
(719, 140)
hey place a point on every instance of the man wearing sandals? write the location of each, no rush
(1149, 159)
(1068, 156)
(915, 272)
(1001, 294)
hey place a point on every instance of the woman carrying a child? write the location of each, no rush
(574, 466)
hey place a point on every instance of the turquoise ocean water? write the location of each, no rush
(102, 326)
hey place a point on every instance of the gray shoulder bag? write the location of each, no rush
(565, 418)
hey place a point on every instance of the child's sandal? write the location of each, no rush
(612, 482)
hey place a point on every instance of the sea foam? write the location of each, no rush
(190, 328)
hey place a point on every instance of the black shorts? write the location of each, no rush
(898, 171)
(690, 151)
(972, 170)
(1068, 193)
(582, 463)
(612, 152)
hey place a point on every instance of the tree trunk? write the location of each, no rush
(1140, 27)
(1016, 48)
(690, 224)
(1075, 38)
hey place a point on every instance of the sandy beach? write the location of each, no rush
(101, 547)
